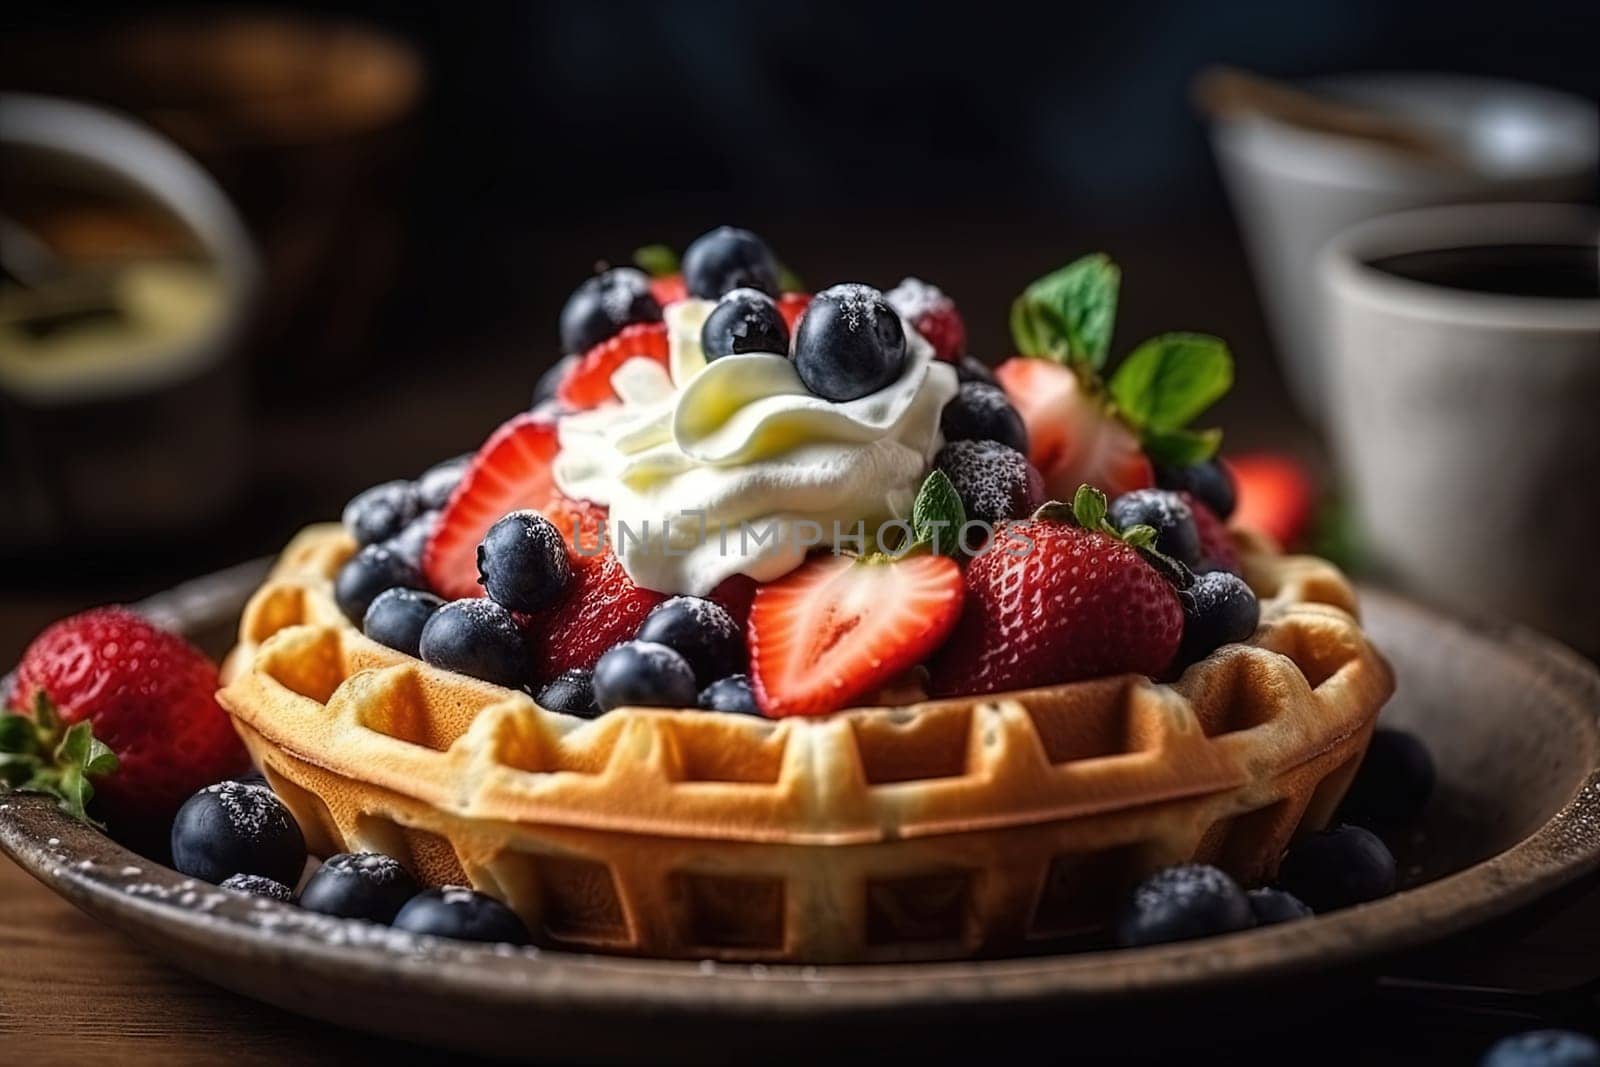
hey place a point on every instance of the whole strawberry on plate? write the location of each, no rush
(106, 705)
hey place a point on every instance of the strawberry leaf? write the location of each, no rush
(938, 515)
(1181, 448)
(1068, 315)
(1089, 508)
(38, 755)
(1169, 380)
(658, 261)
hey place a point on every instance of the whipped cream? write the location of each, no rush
(734, 467)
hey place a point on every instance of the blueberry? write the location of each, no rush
(478, 638)
(461, 913)
(973, 369)
(643, 674)
(729, 258)
(231, 828)
(994, 482)
(435, 484)
(409, 543)
(371, 571)
(732, 694)
(850, 343)
(571, 692)
(257, 886)
(701, 631)
(1337, 868)
(522, 562)
(1182, 903)
(603, 305)
(379, 513)
(1394, 783)
(1218, 609)
(397, 616)
(747, 320)
(1173, 521)
(1209, 482)
(1271, 906)
(544, 390)
(1543, 1048)
(359, 885)
(981, 412)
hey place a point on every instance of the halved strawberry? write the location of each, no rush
(588, 383)
(1072, 439)
(839, 628)
(601, 607)
(668, 288)
(791, 306)
(510, 471)
(1276, 495)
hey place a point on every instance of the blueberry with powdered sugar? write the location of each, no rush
(435, 484)
(994, 482)
(479, 638)
(746, 320)
(728, 258)
(643, 674)
(237, 828)
(981, 412)
(397, 617)
(381, 512)
(257, 886)
(572, 693)
(359, 885)
(601, 306)
(731, 694)
(461, 913)
(850, 343)
(371, 571)
(409, 543)
(699, 630)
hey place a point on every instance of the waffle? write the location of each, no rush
(937, 829)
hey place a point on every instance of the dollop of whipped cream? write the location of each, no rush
(734, 467)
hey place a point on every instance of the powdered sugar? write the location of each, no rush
(914, 297)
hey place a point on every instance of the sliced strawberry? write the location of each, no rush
(601, 607)
(510, 471)
(668, 289)
(1072, 439)
(588, 383)
(1216, 546)
(838, 629)
(791, 306)
(1276, 496)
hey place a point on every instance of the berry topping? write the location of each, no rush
(571, 693)
(994, 482)
(1544, 1048)
(523, 562)
(791, 306)
(458, 912)
(728, 258)
(1216, 543)
(368, 573)
(973, 369)
(668, 289)
(232, 828)
(359, 885)
(603, 305)
(588, 383)
(1273, 906)
(410, 543)
(511, 471)
(1181, 904)
(108, 696)
(1218, 609)
(435, 484)
(257, 886)
(1052, 600)
(933, 315)
(601, 608)
(545, 390)
(850, 343)
(731, 694)
(1276, 496)
(1337, 868)
(1167, 514)
(479, 638)
(1207, 481)
(1071, 437)
(1394, 783)
(701, 631)
(747, 320)
(381, 512)
(397, 616)
(643, 674)
(838, 628)
(981, 412)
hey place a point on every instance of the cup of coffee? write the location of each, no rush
(1465, 402)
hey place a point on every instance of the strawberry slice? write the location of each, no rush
(839, 628)
(1276, 496)
(601, 607)
(1072, 439)
(510, 471)
(668, 288)
(791, 306)
(588, 383)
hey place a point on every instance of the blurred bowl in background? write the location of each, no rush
(128, 282)
(1293, 188)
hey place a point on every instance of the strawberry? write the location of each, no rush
(114, 680)
(1276, 496)
(1052, 601)
(791, 306)
(736, 593)
(668, 288)
(1072, 438)
(510, 471)
(601, 607)
(588, 383)
(1216, 544)
(839, 628)
(933, 315)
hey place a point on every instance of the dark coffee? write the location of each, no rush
(1562, 272)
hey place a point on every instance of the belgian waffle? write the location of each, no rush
(936, 829)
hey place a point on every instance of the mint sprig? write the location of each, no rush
(1068, 315)
(41, 754)
(658, 261)
(938, 515)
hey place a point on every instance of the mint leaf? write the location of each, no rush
(1068, 315)
(938, 515)
(1181, 448)
(1170, 379)
(656, 260)
(789, 281)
